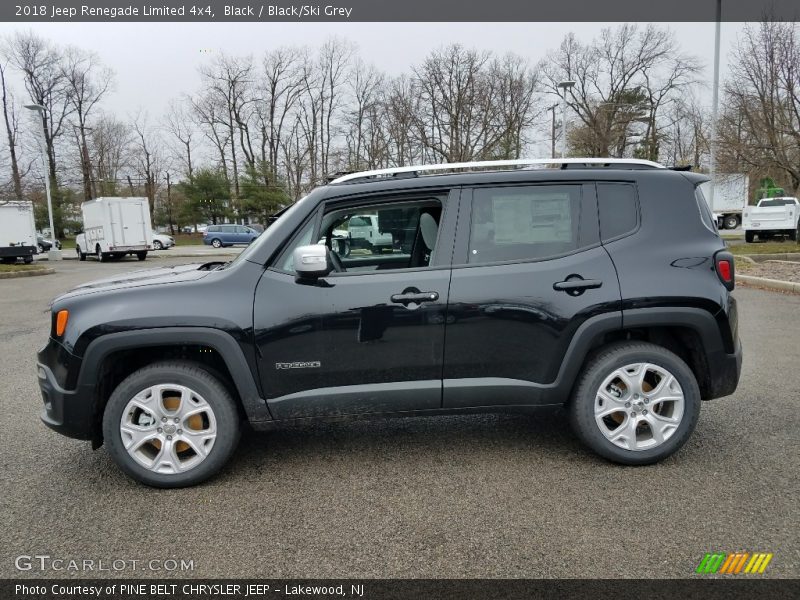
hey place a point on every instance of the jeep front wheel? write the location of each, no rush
(171, 424)
(635, 403)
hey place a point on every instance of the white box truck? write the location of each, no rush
(730, 197)
(17, 232)
(114, 227)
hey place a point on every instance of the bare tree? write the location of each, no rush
(110, 142)
(280, 89)
(87, 81)
(622, 81)
(179, 124)
(400, 107)
(365, 148)
(228, 81)
(12, 134)
(760, 126)
(149, 158)
(471, 105)
(214, 125)
(40, 64)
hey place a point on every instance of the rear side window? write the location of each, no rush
(524, 222)
(705, 212)
(618, 209)
(213, 228)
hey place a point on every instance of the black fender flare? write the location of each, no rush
(226, 346)
(700, 320)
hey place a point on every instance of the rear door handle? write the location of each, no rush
(575, 285)
(414, 296)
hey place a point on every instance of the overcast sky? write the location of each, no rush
(157, 62)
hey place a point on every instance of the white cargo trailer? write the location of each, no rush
(17, 231)
(114, 227)
(730, 197)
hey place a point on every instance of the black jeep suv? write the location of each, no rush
(600, 285)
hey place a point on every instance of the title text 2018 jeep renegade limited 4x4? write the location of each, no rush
(601, 285)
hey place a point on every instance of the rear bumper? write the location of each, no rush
(69, 412)
(724, 372)
(18, 251)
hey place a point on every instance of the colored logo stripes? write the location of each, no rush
(735, 563)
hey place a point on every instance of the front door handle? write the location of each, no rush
(575, 285)
(414, 296)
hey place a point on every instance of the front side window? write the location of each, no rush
(524, 222)
(390, 235)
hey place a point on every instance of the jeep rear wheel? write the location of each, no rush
(171, 424)
(635, 403)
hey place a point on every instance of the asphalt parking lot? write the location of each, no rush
(473, 496)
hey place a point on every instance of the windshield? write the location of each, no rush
(777, 202)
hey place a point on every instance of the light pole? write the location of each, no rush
(552, 109)
(564, 85)
(53, 253)
(715, 105)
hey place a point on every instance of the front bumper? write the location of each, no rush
(69, 412)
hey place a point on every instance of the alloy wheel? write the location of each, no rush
(639, 406)
(168, 428)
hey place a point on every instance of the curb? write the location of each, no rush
(27, 273)
(769, 284)
(772, 256)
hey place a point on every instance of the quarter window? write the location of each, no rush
(524, 222)
(619, 213)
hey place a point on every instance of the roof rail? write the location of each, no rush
(487, 164)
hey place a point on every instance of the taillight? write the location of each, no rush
(724, 266)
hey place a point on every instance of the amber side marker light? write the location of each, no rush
(61, 322)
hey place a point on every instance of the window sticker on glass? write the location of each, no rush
(532, 219)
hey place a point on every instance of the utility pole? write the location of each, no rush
(552, 109)
(169, 206)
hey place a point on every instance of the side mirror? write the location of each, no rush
(311, 262)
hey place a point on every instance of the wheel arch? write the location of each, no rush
(111, 358)
(690, 333)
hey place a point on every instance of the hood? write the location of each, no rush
(161, 275)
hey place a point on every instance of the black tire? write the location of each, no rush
(749, 236)
(600, 366)
(27, 260)
(157, 245)
(40, 247)
(101, 256)
(216, 243)
(195, 377)
(81, 255)
(141, 255)
(730, 221)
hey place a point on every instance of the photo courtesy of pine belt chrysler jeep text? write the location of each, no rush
(597, 284)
